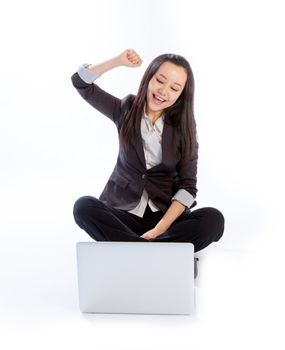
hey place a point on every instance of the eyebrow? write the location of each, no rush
(163, 76)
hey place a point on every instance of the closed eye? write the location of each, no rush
(161, 82)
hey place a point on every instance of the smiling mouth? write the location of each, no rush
(158, 100)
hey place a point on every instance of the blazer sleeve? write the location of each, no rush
(187, 175)
(104, 102)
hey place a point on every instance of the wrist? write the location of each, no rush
(117, 62)
(160, 228)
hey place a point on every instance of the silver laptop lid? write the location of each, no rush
(136, 277)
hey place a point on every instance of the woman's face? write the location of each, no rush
(165, 87)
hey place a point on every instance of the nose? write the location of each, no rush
(162, 91)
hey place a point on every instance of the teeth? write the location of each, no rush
(160, 99)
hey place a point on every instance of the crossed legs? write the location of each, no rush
(103, 223)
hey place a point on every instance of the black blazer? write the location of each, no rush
(130, 175)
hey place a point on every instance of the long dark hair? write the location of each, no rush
(181, 113)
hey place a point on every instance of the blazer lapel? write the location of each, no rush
(140, 151)
(166, 141)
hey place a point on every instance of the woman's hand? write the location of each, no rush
(129, 58)
(151, 234)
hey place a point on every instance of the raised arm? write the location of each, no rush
(128, 58)
(83, 81)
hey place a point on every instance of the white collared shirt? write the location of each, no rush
(151, 138)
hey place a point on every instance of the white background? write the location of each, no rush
(55, 148)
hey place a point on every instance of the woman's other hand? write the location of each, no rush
(130, 58)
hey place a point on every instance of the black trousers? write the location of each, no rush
(103, 223)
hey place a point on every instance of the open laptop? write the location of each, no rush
(136, 277)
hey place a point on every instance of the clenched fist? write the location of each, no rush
(130, 58)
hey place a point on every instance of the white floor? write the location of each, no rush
(239, 300)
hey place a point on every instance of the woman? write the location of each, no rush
(152, 188)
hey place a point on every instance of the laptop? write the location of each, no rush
(136, 277)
